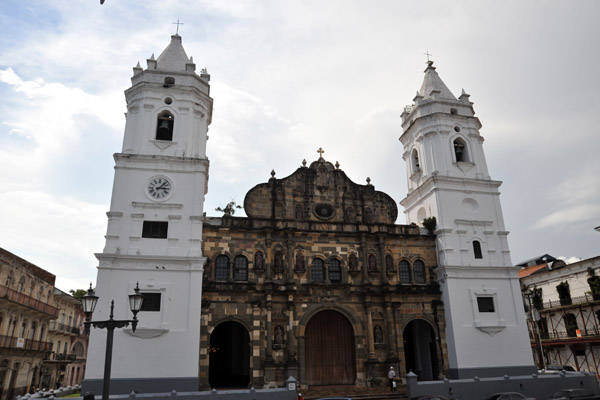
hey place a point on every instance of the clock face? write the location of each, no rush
(159, 187)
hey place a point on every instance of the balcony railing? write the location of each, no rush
(62, 357)
(588, 298)
(57, 326)
(568, 335)
(23, 299)
(27, 344)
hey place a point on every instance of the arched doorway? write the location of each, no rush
(329, 350)
(229, 359)
(420, 350)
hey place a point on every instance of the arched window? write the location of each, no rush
(32, 330)
(477, 249)
(415, 161)
(318, 270)
(335, 271)
(404, 271)
(240, 268)
(164, 126)
(222, 268)
(23, 327)
(419, 271)
(460, 150)
(21, 284)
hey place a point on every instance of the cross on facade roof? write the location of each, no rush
(320, 151)
(178, 23)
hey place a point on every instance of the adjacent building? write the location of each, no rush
(65, 366)
(564, 311)
(26, 312)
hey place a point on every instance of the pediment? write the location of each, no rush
(320, 192)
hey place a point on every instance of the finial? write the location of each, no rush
(152, 56)
(191, 59)
(320, 151)
(304, 162)
(272, 173)
(178, 23)
(139, 66)
(368, 180)
(337, 165)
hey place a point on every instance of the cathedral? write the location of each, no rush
(320, 284)
(318, 281)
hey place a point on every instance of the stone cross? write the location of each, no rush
(320, 151)
(178, 23)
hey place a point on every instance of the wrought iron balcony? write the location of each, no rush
(71, 330)
(27, 301)
(25, 344)
(585, 299)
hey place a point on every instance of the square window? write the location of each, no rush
(485, 304)
(155, 229)
(151, 302)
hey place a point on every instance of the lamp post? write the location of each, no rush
(534, 317)
(89, 304)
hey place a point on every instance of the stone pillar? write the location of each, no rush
(363, 256)
(268, 364)
(381, 248)
(268, 256)
(371, 344)
(292, 362)
(289, 257)
(392, 357)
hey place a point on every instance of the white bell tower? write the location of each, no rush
(155, 230)
(448, 179)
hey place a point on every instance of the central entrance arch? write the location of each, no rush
(329, 350)
(229, 359)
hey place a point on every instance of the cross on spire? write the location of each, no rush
(428, 54)
(178, 23)
(320, 151)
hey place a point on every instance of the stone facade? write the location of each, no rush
(318, 256)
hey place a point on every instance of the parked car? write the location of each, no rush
(557, 369)
(509, 396)
(579, 394)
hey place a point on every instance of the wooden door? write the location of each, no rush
(329, 350)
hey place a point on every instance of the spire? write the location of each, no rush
(173, 58)
(433, 87)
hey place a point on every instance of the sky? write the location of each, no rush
(288, 77)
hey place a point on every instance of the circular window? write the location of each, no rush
(324, 211)
(168, 100)
(457, 129)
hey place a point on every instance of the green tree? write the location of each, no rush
(229, 209)
(78, 294)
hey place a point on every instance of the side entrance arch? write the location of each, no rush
(420, 350)
(329, 350)
(229, 357)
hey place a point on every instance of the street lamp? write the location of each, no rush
(534, 317)
(89, 304)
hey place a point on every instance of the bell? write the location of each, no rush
(163, 130)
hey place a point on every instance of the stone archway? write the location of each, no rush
(420, 351)
(229, 357)
(329, 350)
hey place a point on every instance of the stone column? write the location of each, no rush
(269, 364)
(392, 357)
(292, 362)
(289, 257)
(268, 256)
(381, 248)
(369, 308)
(363, 256)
